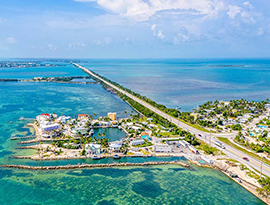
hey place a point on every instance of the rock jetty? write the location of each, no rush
(82, 166)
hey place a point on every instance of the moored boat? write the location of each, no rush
(116, 156)
(95, 157)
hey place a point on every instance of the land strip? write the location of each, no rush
(230, 151)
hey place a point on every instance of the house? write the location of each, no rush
(104, 123)
(83, 116)
(137, 142)
(62, 119)
(115, 146)
(136, 128)
(81, 130)
(93, 148)
(112, 116)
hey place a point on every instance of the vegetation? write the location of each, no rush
(208, 149)
(252, 154)
(265, 190)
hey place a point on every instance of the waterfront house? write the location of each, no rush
(104, 123)
(115, 146)
(93, 148)
(112, 116)
(83, 116)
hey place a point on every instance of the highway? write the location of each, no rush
(207, 137)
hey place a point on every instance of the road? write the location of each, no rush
(207, 137)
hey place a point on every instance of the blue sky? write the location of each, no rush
(134, 28)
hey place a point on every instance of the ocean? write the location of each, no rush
(189, 82)
(169, 184)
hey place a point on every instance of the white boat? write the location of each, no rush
(116, 156)
(95, 157)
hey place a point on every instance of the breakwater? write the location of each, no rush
(81, 166)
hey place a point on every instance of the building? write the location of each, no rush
(116, 146)
(62, 119)
(136, 128)
(112, 116)
(163, 148)
(76, 131)
(83, 116)
(50, 128)
(104, 123)
(137, 142)
(93, 148)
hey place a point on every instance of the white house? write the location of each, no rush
(93, 148)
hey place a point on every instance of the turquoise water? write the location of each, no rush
(133, 185)
(167, 184)
(190, 82)
(65, 69)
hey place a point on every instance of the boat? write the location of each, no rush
(95, 157)
(116, 156)
(13, 137)
(21, 118)
(10, 122)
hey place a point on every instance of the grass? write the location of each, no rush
(198, 127)
(208, 149)
(252, 154)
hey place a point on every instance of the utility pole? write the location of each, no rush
(261, 166)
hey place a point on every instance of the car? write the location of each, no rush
(199, 135)
(245, 158)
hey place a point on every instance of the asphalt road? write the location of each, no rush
(230, 151)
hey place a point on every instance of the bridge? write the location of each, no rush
(253, 163)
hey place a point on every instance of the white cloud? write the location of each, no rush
(140, 10)
(156, 32)
(182, 36)
(248, 5)
(245, 12)
(52, 47)
(11, 40)
(105, 41)
(77, 45)
(233, 11)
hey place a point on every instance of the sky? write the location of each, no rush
(134, 29)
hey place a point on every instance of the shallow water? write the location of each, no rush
(190, 82)
(168, 184)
